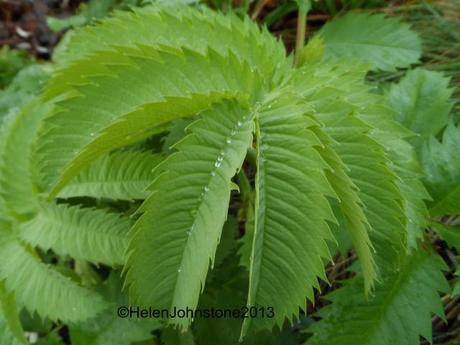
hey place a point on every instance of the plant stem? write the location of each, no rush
(300, 37)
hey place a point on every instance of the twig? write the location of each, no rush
(258, 8)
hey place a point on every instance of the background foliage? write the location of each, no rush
(151, 126)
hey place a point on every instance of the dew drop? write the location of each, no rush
(206, 189)
(233, 132)
(239, 123)
(91, 134)
(217, 164)
(178, 270)
(229, 141)
(213, 173)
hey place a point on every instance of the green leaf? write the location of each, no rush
(351, 208)
(171, 73)
(381, 42)
(291, 213)
(422, 103)
(456, 291)
(17, 134)
(108, 328)
(168, 262)
(363, 131)
(11, 332)
(85, 234)
(171, 336)
(174, 87)
(414, 193)
(313, 51)
(399, 312)
(441, 165)
(41, 288)
(122, 175)
(25, 85)
(449, 233)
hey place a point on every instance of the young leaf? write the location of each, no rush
(176, 237)
(381, 42)
(167, 84)
(351, 208)
(291, 213)
(41, 288)
(339, 97)
(147, 76)
(123, 176)
(16, 136)
(85, 234)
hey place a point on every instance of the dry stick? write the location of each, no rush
(300, 38)
(437, 321)
(258, 8)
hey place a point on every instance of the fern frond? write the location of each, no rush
(381, 42)
(85, 234)
(122, 176)
(43, 289)
(291, 213)
(399, 312)
(177, 235)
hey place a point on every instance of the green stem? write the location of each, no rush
(252, 156)
(300, 38)
(245, 186)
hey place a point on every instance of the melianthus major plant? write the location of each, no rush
(174, 107)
